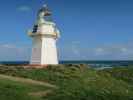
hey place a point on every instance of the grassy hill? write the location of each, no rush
(66, 82)
(12, 89)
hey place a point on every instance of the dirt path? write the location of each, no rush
(28, 81)
(41, 93)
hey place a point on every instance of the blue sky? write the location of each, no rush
(90, 29)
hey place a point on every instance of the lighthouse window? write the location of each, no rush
(35, 28)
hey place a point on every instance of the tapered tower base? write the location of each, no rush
(44, 51)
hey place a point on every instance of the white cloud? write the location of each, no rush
(76, 48)
(74, 51)
(10, 52)
(100, 50)
(24, 8)
(124, 49)
(8, 46)
(77, 51)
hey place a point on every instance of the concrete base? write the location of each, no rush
(37, 66)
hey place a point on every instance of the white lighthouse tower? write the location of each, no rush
(44, 36)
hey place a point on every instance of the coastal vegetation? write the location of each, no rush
(65, 82)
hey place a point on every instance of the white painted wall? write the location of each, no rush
(46, 29)
(49, 51)
(36, 50)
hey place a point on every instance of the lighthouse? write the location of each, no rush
(44, 37)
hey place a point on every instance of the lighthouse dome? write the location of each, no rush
(44, 15)
(45, 10)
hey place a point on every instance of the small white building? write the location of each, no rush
(44, 36)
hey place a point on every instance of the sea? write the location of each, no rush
(95, 63)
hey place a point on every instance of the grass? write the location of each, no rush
(74, 82)
(121, 73)
(12, 90)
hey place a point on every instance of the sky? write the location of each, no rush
(90, 29)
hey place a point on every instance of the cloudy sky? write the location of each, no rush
(90, 29)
